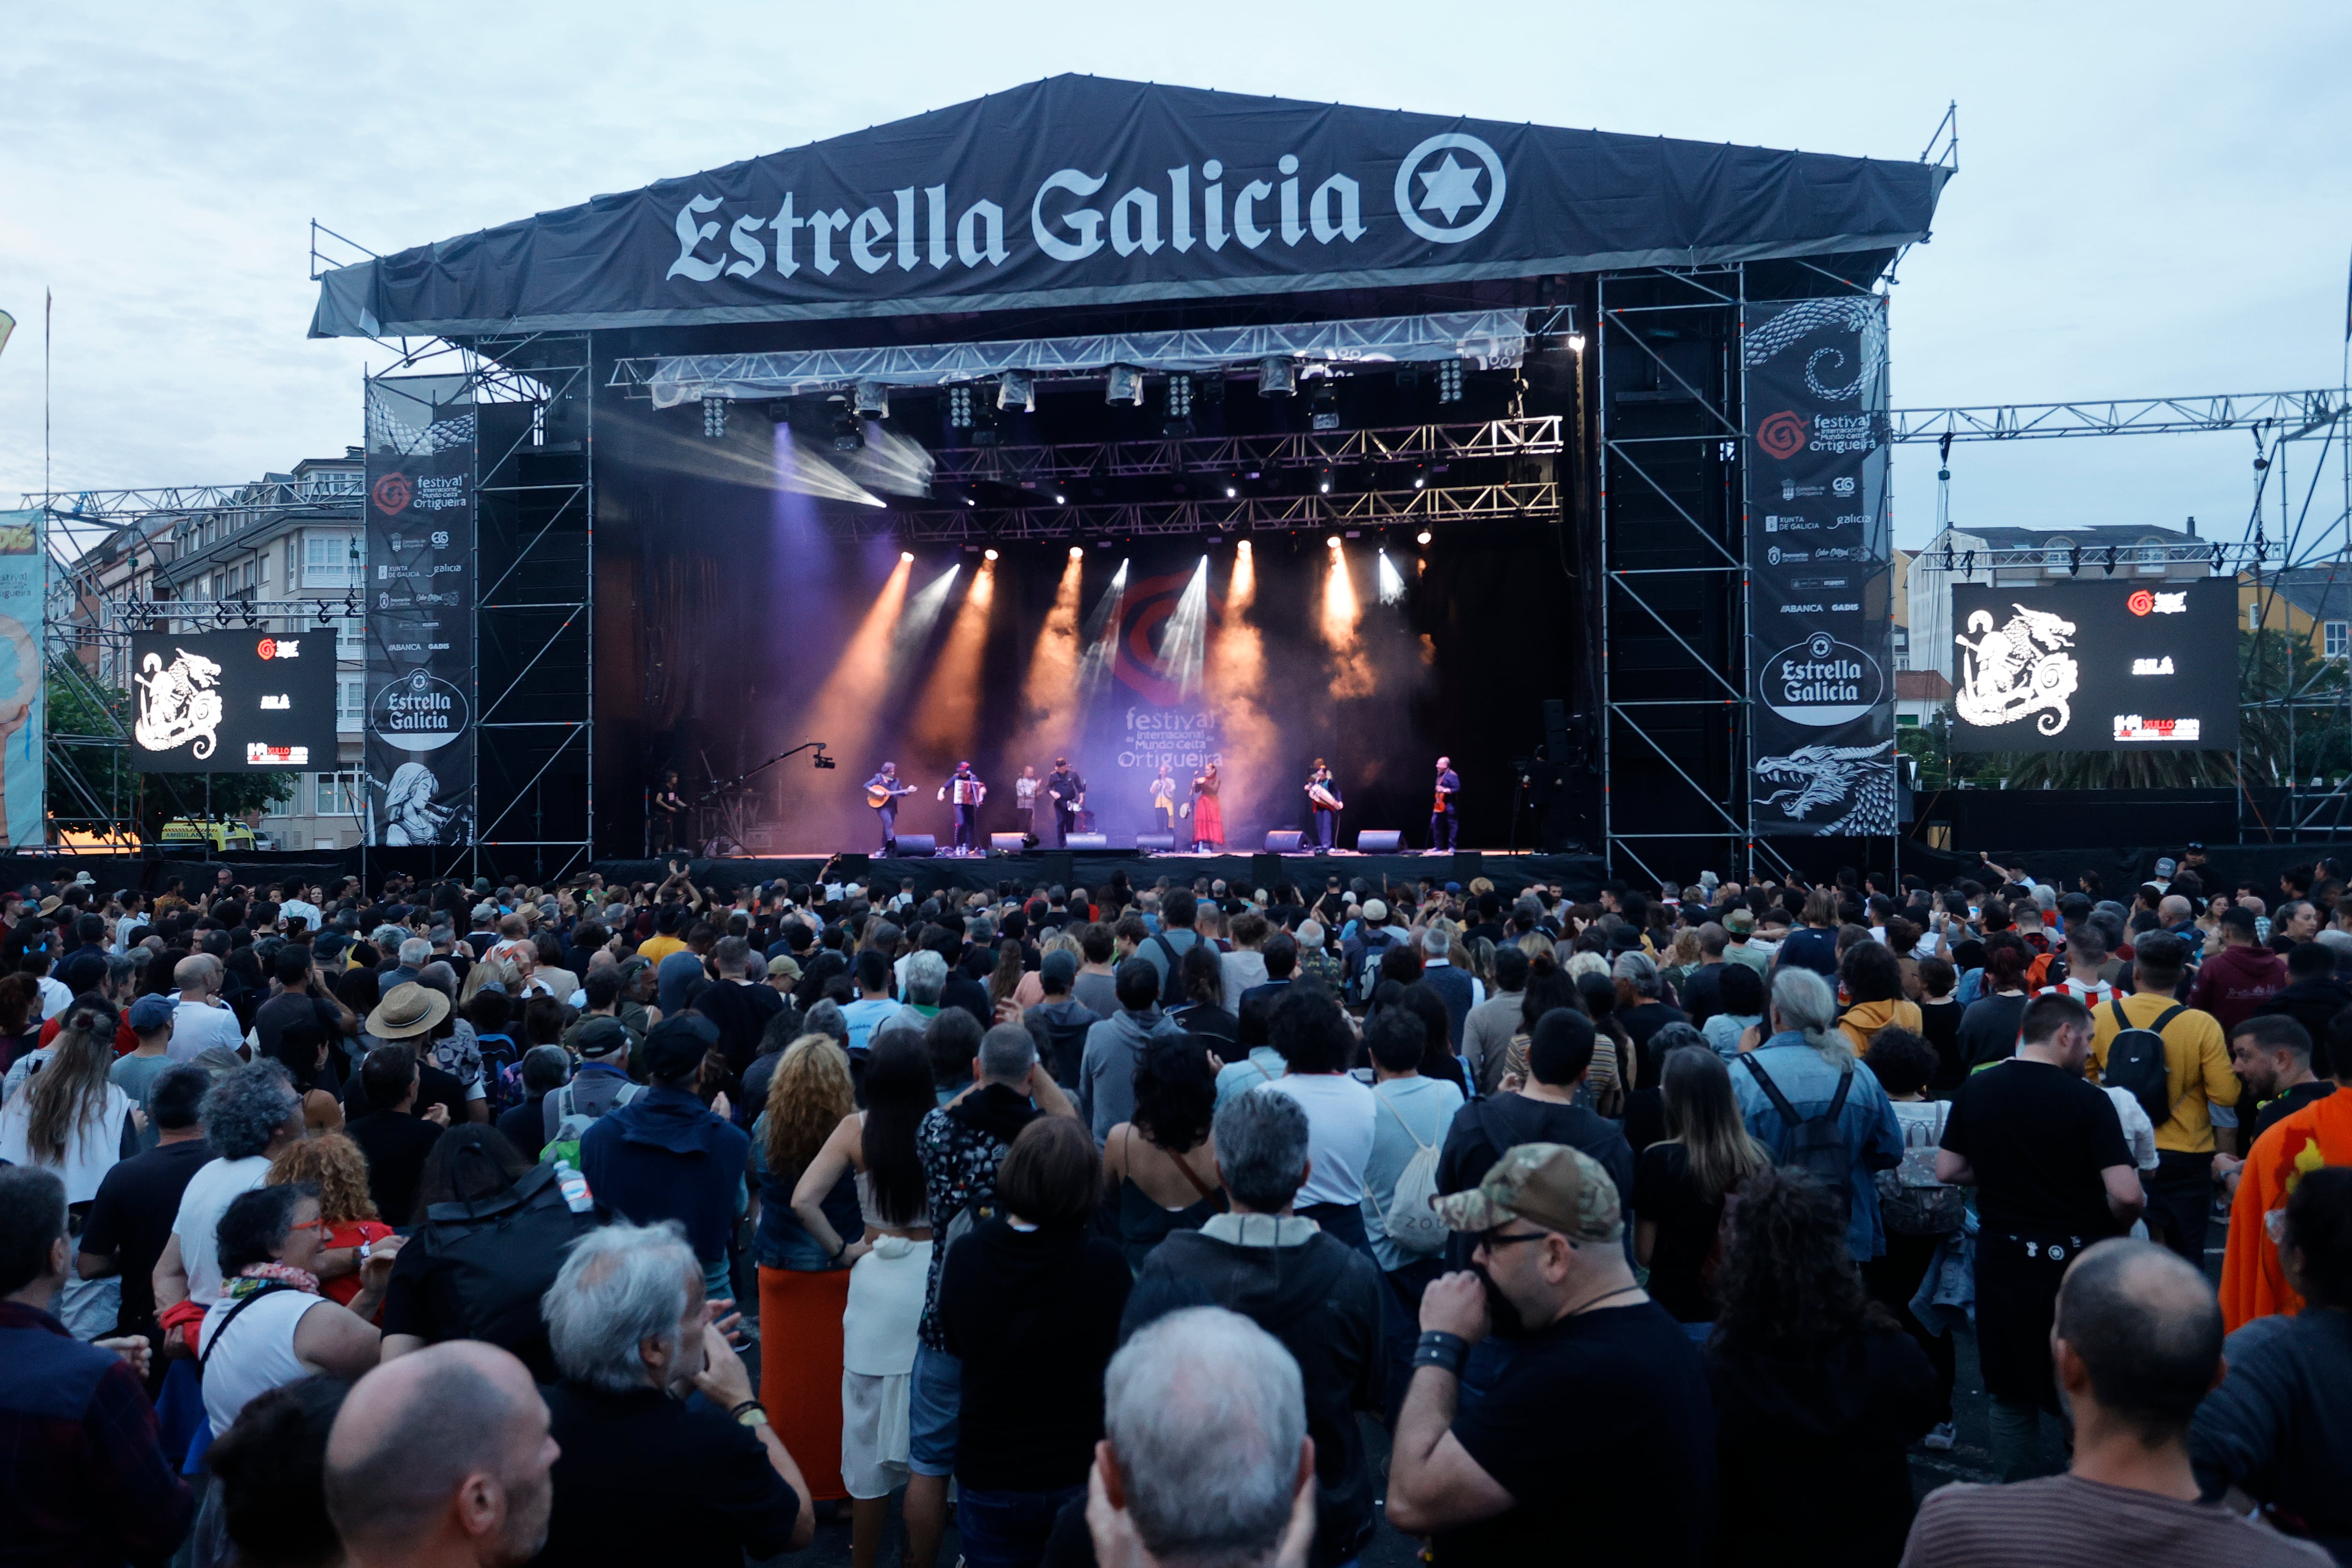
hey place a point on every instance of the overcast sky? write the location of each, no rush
(2151, 198)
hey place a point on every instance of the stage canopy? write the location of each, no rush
(1086, 191)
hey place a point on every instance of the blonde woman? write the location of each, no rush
(1680, 1186)
(803, 1279)
(334, 1165)
(889, 1270)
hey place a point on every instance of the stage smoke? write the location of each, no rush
(1391, 582)
(914, 626)
(1185, 639)
(1102, 639)
(804, 472)
(1235, 680)
(1049, 697)
(894, 464)
(949, 708)
(844, 715)
(1352, 672)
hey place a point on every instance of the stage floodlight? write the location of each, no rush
(1419, 476)
(1077, 553)
(873, 401)
(2074, 560)
(958, 408)
(714, 417)
(848, 435)
(1179, 395)
(1324, 410)
(906, 555)
(1125, 384)
(2111, 559)
(1017, 389)
(1449, 381)
(1333, 541)
(1323, 479)
(1233, 490)
(1576, 343)
(1277, 378)
(1422, 538)
(988, 555)
(1061, 500)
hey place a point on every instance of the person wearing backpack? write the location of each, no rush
(1321, 1297)
(1806, 1098)
(600, 1083)
(1412, 1115)
(2174, 1060)
(1164, 950)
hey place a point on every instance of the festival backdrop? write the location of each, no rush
(227, 703)
(421, 447)
(1820, 540)
(24, 547)
(2095, 665)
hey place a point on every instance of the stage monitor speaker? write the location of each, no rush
(1059, 868)
(1008, 843)
(917, 845)
(1088, 841)
(1284, 841)
(1378, 841)
(1468, 865)
(1163, 842)
(1265, 870)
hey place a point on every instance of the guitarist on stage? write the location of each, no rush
(669, 813)
(882, 793)
(1067, 791)
(968, 793)
(1444, 822)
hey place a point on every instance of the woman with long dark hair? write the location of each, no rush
(1201, 972)
(1157, 1166)
(1818, 1394)
(301, 1050)
(1004, 981)
(802, 1283)
(1547, 989)
(66, 1115)
(889, 1270)
(1681, 1183)
(1989, 1028)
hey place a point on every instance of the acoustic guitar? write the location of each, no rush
(879, 796)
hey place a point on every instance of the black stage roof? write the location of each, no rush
(1084, 191)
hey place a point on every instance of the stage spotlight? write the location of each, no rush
(1576, 343)
(988, 555)
(1422, 538)
(1323, 479)
(1324, 410)
(2111, 559)
(714, 417)
(1061, 500)
(1333, 541)
(1125, 385)
(1449, 381)
(2073, 560)
(1232, 490)
(1277, 378)
(1419, 476)
(848, 435)
(1017, 389)
(906, 555)
(873, 401)
(1076, 553)
(958, 408)
(1179, 395)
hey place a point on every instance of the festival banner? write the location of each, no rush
(421, 452)
(1820, 632)
(24, 549)
(1147, 702)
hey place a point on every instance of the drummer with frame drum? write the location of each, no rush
(1328, 806)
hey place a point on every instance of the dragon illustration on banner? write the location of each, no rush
(178, 702)
(1857, 782)
(2021, 669)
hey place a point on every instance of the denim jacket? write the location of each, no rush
(1809, 1083)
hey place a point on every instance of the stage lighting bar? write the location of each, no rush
(1179, 395)
(1535, 436)
(1017, 389)
(1449, 381)
(1124, 385)
(1277, 378)
(714, 418)
(1104, 520)
(958, 408)
(873, 401)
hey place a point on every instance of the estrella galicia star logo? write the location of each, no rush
(1466, 196)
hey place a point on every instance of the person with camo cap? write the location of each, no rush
(1606, 1397)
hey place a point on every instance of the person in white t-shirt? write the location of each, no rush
(201, 1021)
(248, 1117)
(1313, 1036)
(68, 1116)
(269, 1326)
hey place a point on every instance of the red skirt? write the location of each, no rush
(1208, 821)
(799, 1369)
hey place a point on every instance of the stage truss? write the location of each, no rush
(1352, 512)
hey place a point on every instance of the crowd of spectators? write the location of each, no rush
(1186, 1225)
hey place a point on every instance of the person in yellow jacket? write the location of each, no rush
(1871, 976)
(2197, 1078)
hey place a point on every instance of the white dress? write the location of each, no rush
(877, 1357)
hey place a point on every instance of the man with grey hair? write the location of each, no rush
(648, 1475)
(1639, 1004)
(441, 1457)
(1456, 986)
(1805, 1070)
(249, 1117)
(1318, 1296)
(200, 1021)
(414, 954)
(926, 973)
(1206, 1457)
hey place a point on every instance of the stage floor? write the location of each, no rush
(1578, 876)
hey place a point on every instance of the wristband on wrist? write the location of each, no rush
(1441, 1350)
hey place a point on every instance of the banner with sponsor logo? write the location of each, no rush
(2095, 665)
(1820, 566)
(24, 712)
(225, 702)
(420, 610)
(1081, 190)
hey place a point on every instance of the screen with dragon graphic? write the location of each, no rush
(2105, 665)
(227, 702)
